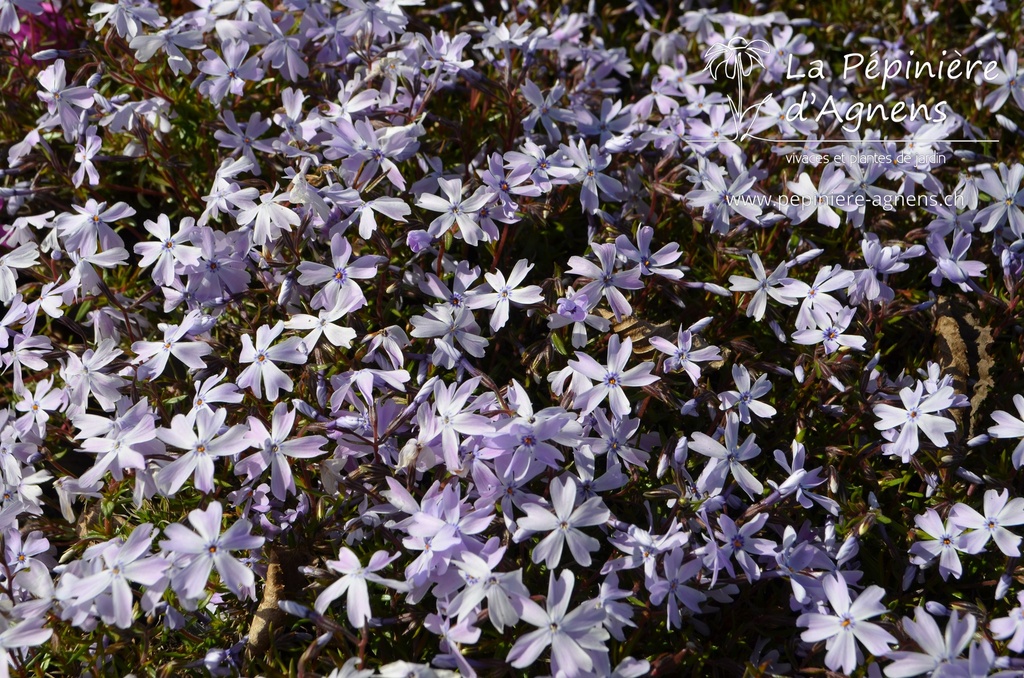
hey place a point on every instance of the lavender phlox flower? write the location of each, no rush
(726, 459)
(202, 433)
(506, 186)
(323, 324)
(1009, 426)
(847, 625)
(589, 484)
(944, 543)
(206, 548)
(830, 193)
(616, 440)
(365, 211)
(795, 559)
(546, 109)
(263, 371)
(339, 278)
(274, 450)
(54, 295)
(573, 309)
(10, 23)
(737, 542)
(284, 49)
(379, 19)
(881, 261)
(24, 256)
(130, 561)
(662, 95)
(817, 302)
(91, 225)
(1000, 512)
(563, 524)
(513, 36)
(604, 280)
(153, 355)
(918, 413)
(673, 587)
(444, 52)
(454, 417)
(228, 74)
(762, 285)
(571, 635)
(212, 391)
(612, 118)
(525, 439)
(126, 16)
(385, 347)
(830, 332)
(169, 255)
(610, 378)
(745, 398)
(590, 166)
(1010, 81)
(352, 584)
(459, 295)
(169, 41)
(445, 516)
(1011, 626)
(455, 210)
(297, 127)
(573, 305)
(403, 669)
(548, 169)
(269, 218)
(801, 481)
(718, 133)
(62, 101)
(222, 265)
(20, 552)
(951, 263)
(504, 591)
(785, 45)
(941, 651)
(644, 549)
(950, 217)
(1007, 199)
(508, 291)
(127, 443)
(650, 263)
(244, 138)
(721, 201)
(365, 149)
(85, 151)
(682, 355)
(453, 637)
(447, 326)
(84, 377)
(37, 405)
(353, 97)
(226, 195)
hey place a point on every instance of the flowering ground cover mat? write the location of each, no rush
(487, 338)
